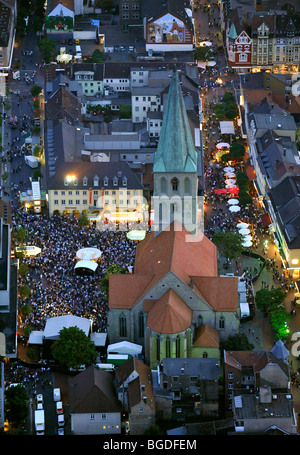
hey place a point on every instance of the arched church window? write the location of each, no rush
(122, 325)
(141, 324)
(187, 186)
(168, 348)
(175, 183)
(204, 355)
(221, 322)
(178, 346)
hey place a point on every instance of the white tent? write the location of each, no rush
(247, 244)
(125, 347)
(99, 339)
(228, 169)
(36, 337)
(211, 63)
(205, 43)
(230, 181)
(88, 254)
(242, 225)
(222, 144)
(231, 175)
(234, 208)
(230, 185)
(136, 235)
(90, 265)
(244, 231)
(56, 324)
(233, 202)
(227, 127)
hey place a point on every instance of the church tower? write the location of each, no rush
(175, 168)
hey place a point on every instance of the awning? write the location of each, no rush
(221, 191)
(266, 219)
(250, 173)
(88, 265)
(227, 127)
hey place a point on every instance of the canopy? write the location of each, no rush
(56, 324)
(228, 169)
(212, 63)
(244, 307)
(222, 144)
(234, 208)
(229, 181)
(88, 254)
(201, 64)
(233, 190)
(233, 202)
(227, 127)
(136, 235)
(88, 265)
(247, 244)
(64, 58)
(230, 185)
(242, 225)
(125, 347)
(220, 191)
(231, 175)
(244, 231)
(205, 43)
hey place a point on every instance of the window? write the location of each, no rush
(84, 193)
(63, 193)
(141, 410)
(55, 193)
(141, 324)
(85, 181)
(92, 417)
(122, 325)
(178, 346)
(77, 193)
(221, 322)
(105, 181)
(204, 355)
(70, 201)
(103, 416)
(230, 385)
(55, 202)
(175, 378)
(84, 201)
(194, 378)
(168, 348)
(175, 183)
(230, 375)
(63, 201)
(77, 201)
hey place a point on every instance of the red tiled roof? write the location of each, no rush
(221, 293)
(207, 337)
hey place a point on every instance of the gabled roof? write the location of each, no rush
(221, 293)
(170, 314)
(258, 360)
(92, 391)
(207, 337)
(139, 387)
(175, 150)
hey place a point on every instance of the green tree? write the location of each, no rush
(25, 310)
(266, 299)
(203, 53)
(21, 234)
(4, 176)
(228, 97)
(229, 244)
(278, 320)
(84, 220)
(16, 409)
(24, 291)
(37, 151)
(237, 342)
(23, 269)
(244, 198)
(35, 90)
(74, 348)
(37, 173)
(97, 56)
(47, 48)
(114, 268)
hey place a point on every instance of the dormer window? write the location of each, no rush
(115, 181)
(75, 182)
(85, 181)
(66, 181)
(105, 181)
(96, 180)
(124, 181)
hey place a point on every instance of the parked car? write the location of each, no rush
(61, 431)
(77, 41)
(39, 398)
(59, 407)
(61, 420)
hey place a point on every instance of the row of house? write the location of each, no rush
(263, 40)
(133, 396)
(91, 163)
(270, 114)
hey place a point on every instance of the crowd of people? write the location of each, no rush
(56, 289)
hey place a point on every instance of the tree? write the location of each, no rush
(97, 57)
(21, 234)
(84, 221)
(4, 176)
(228, 97)
(37, 151)
(37, 173)
(267, 299)
(229, 243)
(237, 342)
(278, 320)
(23, 269)
(35, 90)
(24, 291)
(203, 53)
(47, 48)
(114, 268)
(244, 198)
(74, 348)
(16, 409)
(25, 310)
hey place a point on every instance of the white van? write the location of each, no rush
(78, 51)
(56, 395)
(61, 420)
(59, 407)
(31, 161)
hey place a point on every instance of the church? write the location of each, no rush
(174, 303)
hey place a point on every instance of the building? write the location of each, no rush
(116, 77)
(60, 16)
(239, 44)
(185, 387)
(133, 382)
(168, 26)
(130, 14)
(263, 32)
(93, 404)
(90, 77)
(8, 17)
(287, 42)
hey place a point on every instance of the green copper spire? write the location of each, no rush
(175, 150)
(232, 32)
